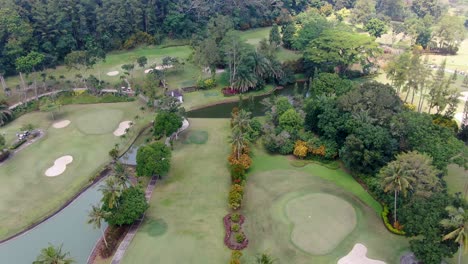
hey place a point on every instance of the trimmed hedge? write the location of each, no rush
(390, 228)
(18, 143)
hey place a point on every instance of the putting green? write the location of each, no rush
(279, 198)
(312, 216)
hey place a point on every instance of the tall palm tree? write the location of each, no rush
(96, 216)
(53, 255)
(395, 178)
(111, 191)
(121, 175)
(5, 113)
(242, 121)
(238, 139)
(457, 221)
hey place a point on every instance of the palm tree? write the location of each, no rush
(96, 216)
(111, 191)
(5, 113)
(237, 140)
(457, 221)
(121, 174)
(244, 81)
(264, 259)
(53, 255)
(242, 121)
(395, 178)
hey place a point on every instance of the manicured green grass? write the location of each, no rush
(454, 62)
(184, 221)
(312, 215)
(26, 195)
(273, 183)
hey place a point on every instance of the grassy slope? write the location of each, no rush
(273, 182)
(184, 222)
(26, 195)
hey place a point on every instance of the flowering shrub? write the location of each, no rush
(245, 161)
(300, 149)
(235, 196)
(237, 173)
(228, 91)
(206, 84)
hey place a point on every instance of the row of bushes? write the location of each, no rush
(239, 162)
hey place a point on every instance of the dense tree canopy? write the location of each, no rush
(166, 123)
(153, 159)
(339, 48)
(131, 205)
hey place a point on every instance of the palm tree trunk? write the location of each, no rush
(104, 238)
(460, 249)
(394, 209)
(407, 94)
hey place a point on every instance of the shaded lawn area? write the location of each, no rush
(273, 183)
(457, 180)
(26, 195)
(184, 221)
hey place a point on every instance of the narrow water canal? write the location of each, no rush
(69, 227)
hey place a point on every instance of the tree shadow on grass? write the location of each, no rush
(155, 228)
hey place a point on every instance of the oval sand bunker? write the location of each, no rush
(122, 127)
(60, 165)
(113, 73)
(321, 221)
(61, 124)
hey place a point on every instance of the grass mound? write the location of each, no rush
(196, 137)
(321, 221)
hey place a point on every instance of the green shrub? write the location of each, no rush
(237, 173)
(235, 217)
(387, 223)
(17, 144)
(240, 237)
(235, 228)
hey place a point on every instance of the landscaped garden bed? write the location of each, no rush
(235, 238)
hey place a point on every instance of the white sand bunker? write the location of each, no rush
(121, 130)
(358, 256)
(464, 96)
(113, 73)
(60, 165)
(162, 67)
(148, 70)
(61, 124)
